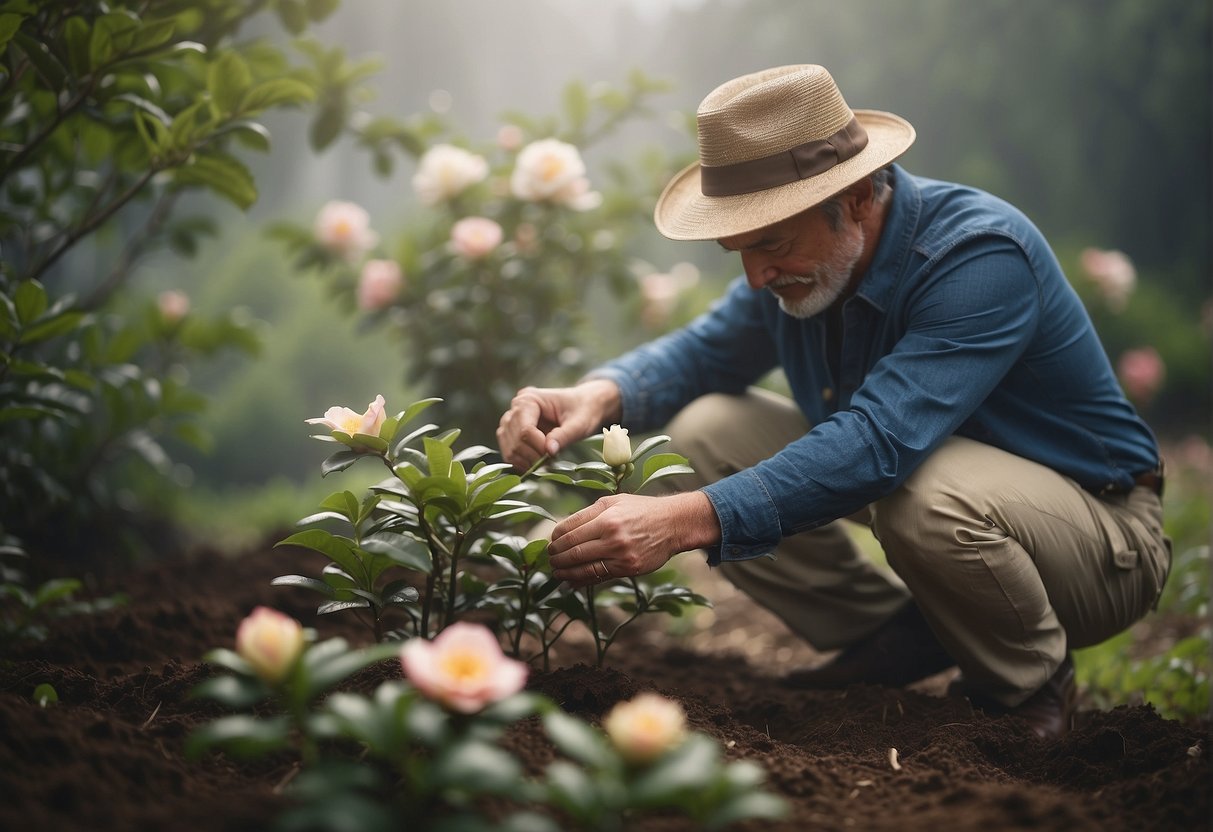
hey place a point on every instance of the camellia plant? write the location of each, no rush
(455, 523)
(487, 287)
(426, 748)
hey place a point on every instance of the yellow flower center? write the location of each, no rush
(342, 229)
(464, 667)
(351, 424)
(551, 167)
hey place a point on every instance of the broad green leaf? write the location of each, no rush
(667, 471)
(572, 789)
(658, 461)
(337, 549)
(688, 768)
(415, 408)
(321, 676)
(577, 740)
(342, 502)
(321, 516)
(52, 72)
(45, 694)
(304, 582)
(228, 79)
(233, 691)
(275, 92)
(30, 301)
(495, 490)
(439, 456)
(185, 129)
(241, 736)
(477, 766)
(401, 549)
(76, 34)
(341, 606)
(113, 36)
(339, 461)
(48, 328)
(647, 445)
(328, 123)
(153, 33)
(224, 174)
(55, 590)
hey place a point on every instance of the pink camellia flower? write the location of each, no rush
(509, 137)
(1113, 274)
(1141, 373)
(270, 642)
(445, 171)
(463, 668)
(550, 170)
(645, 727)
(660, 292)
(379, 284)
(475, 237)
(344, 228)
(351, 421)
(173, 305)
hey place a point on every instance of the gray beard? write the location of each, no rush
(828, 279)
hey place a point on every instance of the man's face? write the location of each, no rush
(805, 263)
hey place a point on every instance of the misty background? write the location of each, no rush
(1091, 116)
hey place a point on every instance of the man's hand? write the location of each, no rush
(543, 420)
(625, 535)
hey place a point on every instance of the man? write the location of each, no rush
(948, 390)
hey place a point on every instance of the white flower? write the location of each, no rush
(463, 668)
(646, 727)
(351, 421)
(270, 642)
(445, 171)
(173, 305)
(344, 228)
(378, 284)
(550, 170)
(475, 237)
(616, 447)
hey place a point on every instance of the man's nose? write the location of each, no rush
(758, 270)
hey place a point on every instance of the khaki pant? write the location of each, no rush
(1011, 563)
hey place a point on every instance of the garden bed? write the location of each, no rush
(109, 755)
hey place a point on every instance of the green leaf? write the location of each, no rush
(344, 503)
(329, 121)
(333, 668)
(439, 456)
(225, 175)
(318, 10)
(228, 79)
(55, 590)
(658, 461)
(305, 583)
(415, 408)
(76, 34)
(45, 694)
(222, 657)
(573, 789)
(53, 327)
(577, 740)
(339, 550)
(648, 444)
(402, 549)
(241, 736)
(48, 67)
(747, 806)
(339, 461)
(276, 92)
(688, 768)
(235, 692)
(495, 490)
(477, 766)
(30, 300)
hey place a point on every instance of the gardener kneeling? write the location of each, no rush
(948, 389)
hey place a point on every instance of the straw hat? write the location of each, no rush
(773, 144)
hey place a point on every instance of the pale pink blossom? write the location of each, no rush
(270, 642)
(475, 237)
(445, 171)
(463, 668)
(351, 421)
(344, 228)
(509, 137)
(173, 305)
(659, 292)
(1141, 373)
(550, 170)
(645, 727)
(1113, 274)
(379, 284)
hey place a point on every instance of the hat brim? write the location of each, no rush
(684, 213)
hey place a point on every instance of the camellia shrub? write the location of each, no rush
(424, 751)
(446, 535)
(114, 111)
(487, 287)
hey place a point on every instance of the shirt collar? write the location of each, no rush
(895, 240)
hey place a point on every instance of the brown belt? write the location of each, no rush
(1153, 480)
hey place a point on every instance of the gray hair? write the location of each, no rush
(881, 188)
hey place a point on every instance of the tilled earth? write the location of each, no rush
(109, 755)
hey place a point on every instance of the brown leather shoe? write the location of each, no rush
(901, 651)
(1048, 712)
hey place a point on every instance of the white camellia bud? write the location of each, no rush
(616, 447)
(645, 727)
(463, 668)
(270, 642)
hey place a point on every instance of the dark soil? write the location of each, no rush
(109, 755)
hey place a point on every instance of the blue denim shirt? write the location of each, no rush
(963, 324)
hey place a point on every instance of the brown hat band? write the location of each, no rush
(800, 162)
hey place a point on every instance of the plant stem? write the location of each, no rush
(593, 613)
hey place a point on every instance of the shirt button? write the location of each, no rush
(827, 393)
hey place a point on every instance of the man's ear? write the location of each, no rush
(860, 199)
